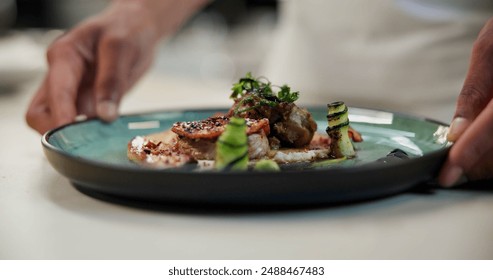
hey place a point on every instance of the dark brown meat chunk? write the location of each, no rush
(292, 125)
(297, 129)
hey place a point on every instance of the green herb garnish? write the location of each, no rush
(286, 95)
(249, 84)
(259, 91)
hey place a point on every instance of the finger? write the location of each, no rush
(475, 141)
(467, 128)
(469, 149)
(38, 115)
(86, 104)
(86, 101)
(141, 63)
(65, 72)
(483, 168)
(112, 74)
(457, 128)
(478, 85)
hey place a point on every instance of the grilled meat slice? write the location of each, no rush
(198, 149)
(212, 127)
(205, 149)
(198, 138)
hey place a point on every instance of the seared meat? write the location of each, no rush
(297, 129)
(205, 149)
(291, 125)
(198, 149)
(212, 127)
(198, 138)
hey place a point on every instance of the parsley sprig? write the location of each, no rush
(286, 95)
(262, 88)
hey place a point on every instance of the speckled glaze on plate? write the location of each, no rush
(92, 155)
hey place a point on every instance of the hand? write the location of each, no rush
(94, 64)
(472, 127)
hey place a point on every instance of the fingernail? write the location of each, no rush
(107, 111)
(451, 177)
(457, 127)
(80, 118)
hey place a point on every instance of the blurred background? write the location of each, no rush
(231, 35)
(417, 48)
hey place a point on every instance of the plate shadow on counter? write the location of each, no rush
(417, 192)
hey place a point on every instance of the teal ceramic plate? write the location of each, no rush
(92, 155)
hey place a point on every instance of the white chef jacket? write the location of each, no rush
(402, 55)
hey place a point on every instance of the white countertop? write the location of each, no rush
(43, 217)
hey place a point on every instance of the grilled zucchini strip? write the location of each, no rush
(232, 146)
(337, 129)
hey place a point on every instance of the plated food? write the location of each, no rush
(264, 128)
(93, 156)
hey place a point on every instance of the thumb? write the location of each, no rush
(478, 85)
(471, 120)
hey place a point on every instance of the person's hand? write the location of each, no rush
(472, 128)
(94, 64)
